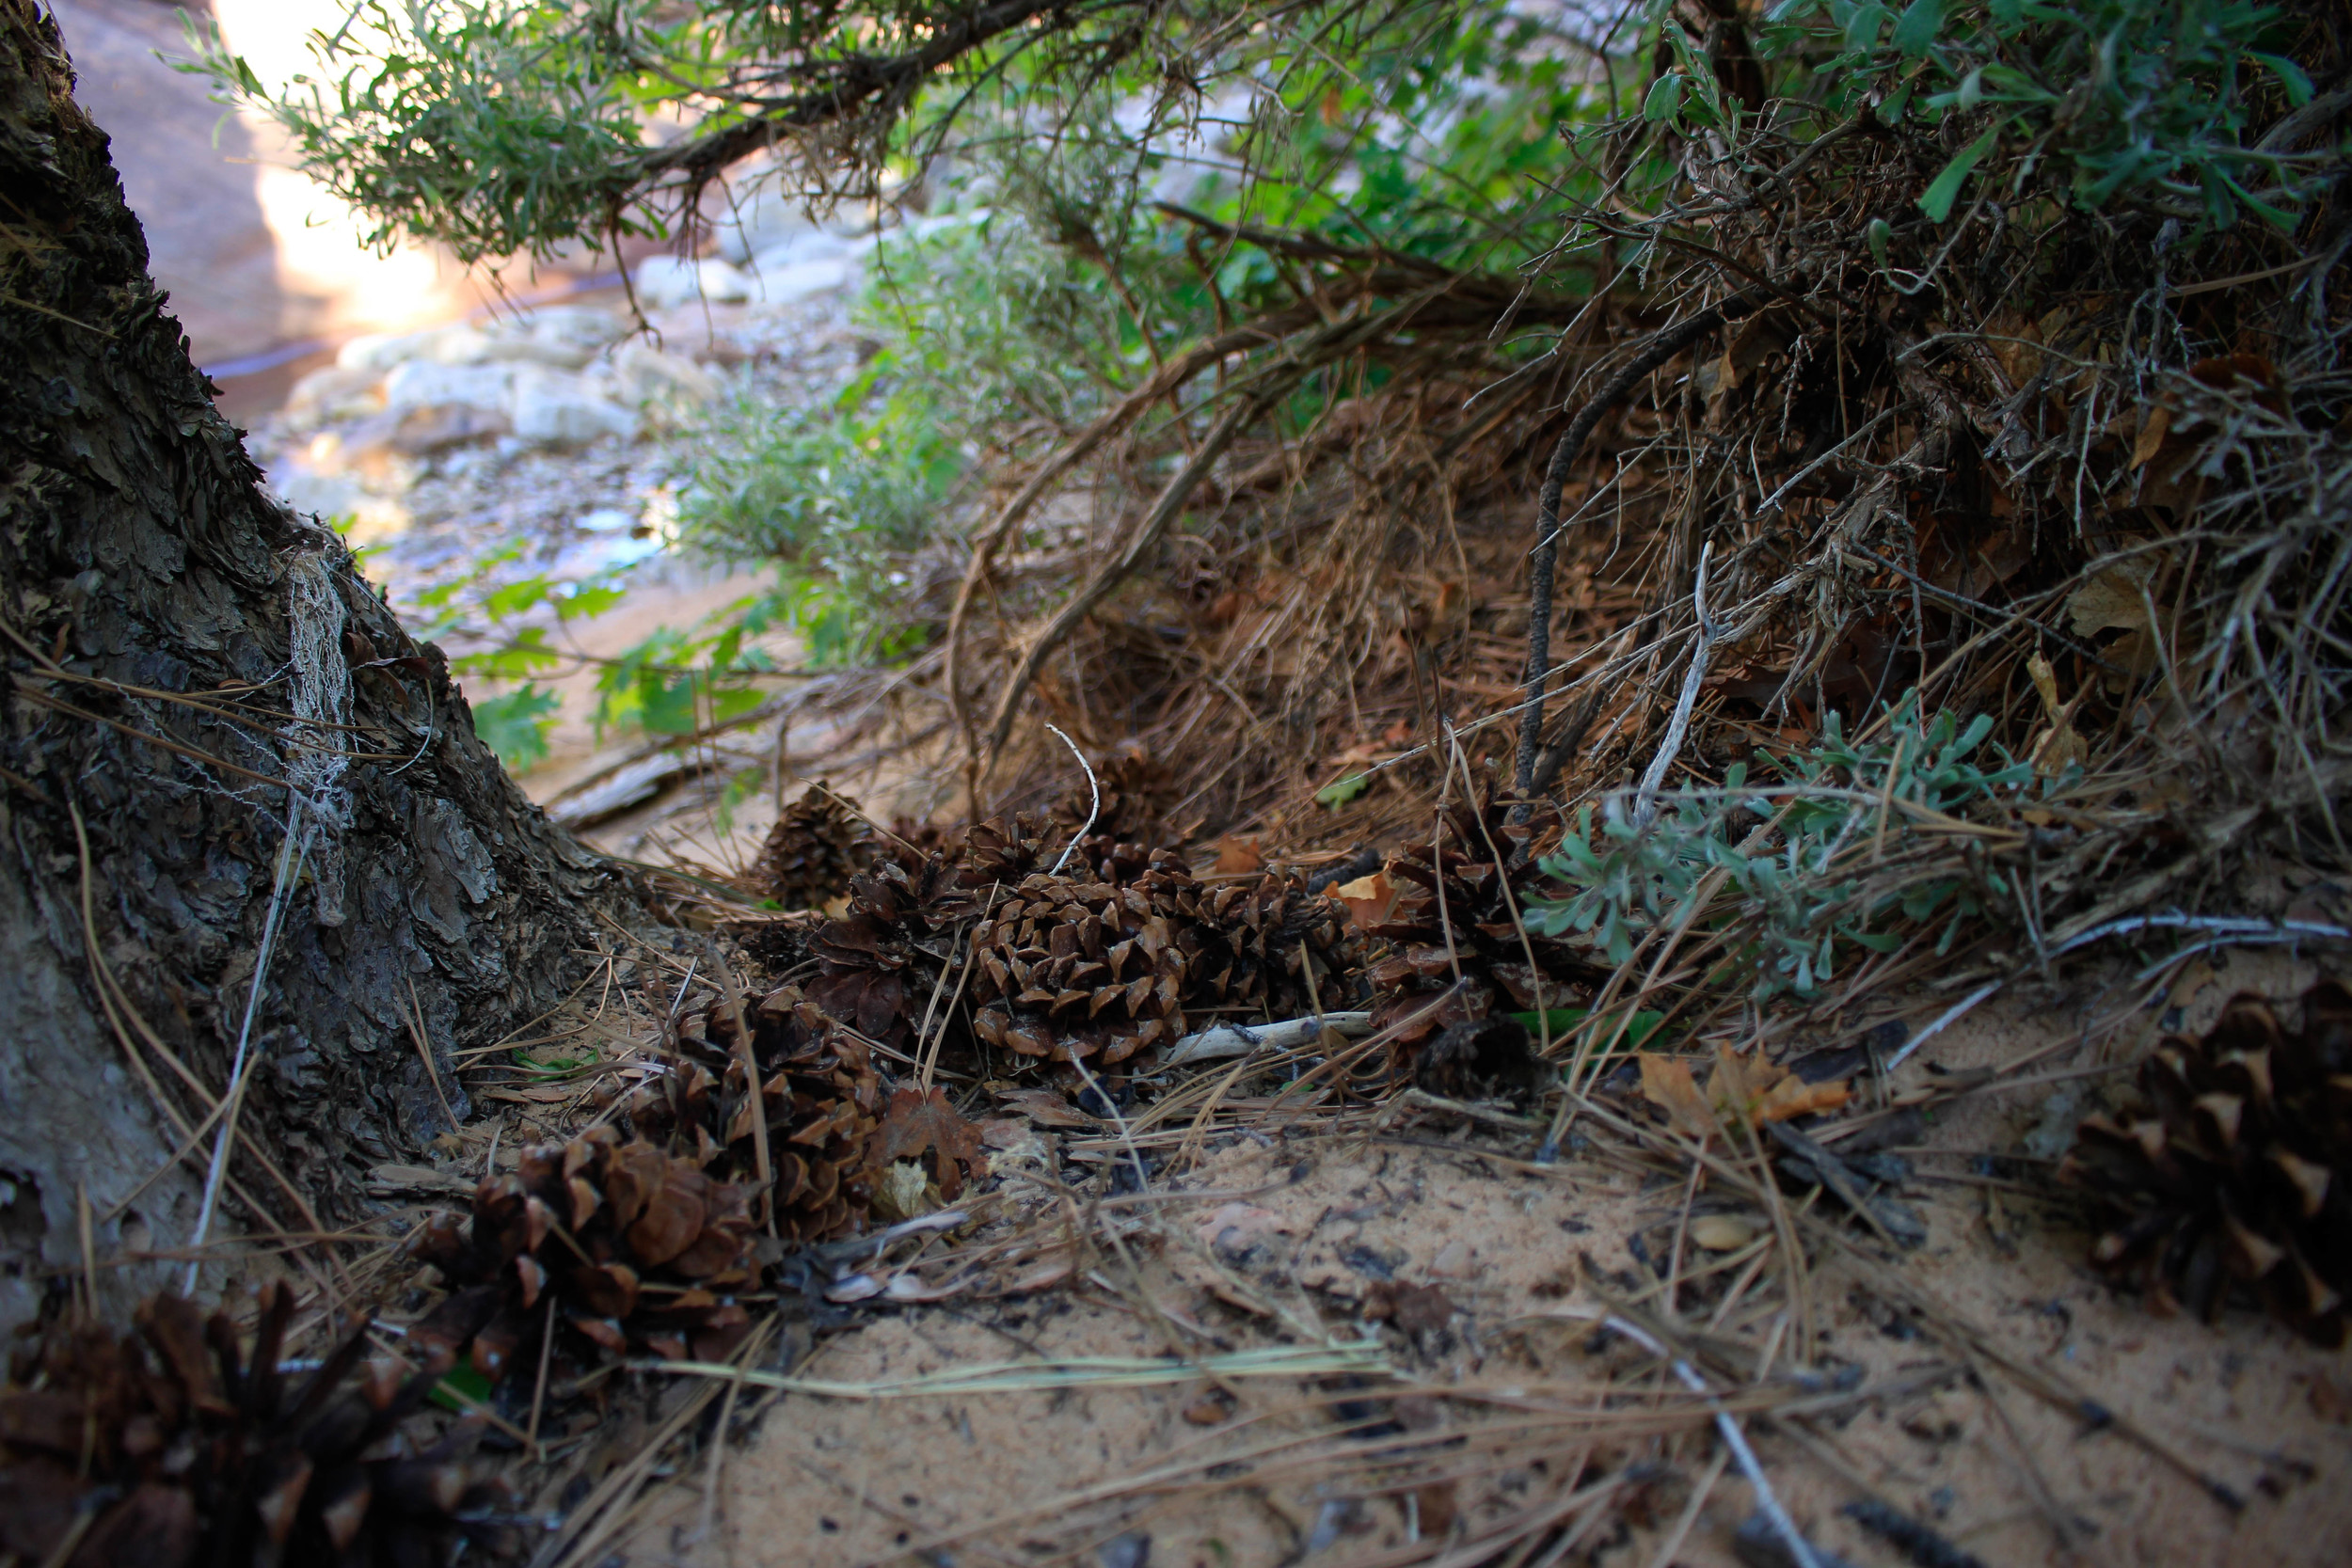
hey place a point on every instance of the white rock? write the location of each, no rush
(336, 392)
(785, 275)
(662, 281)
(459, 344)
(643, 374)
(759, 220)
(426, 382)
(605, 519)
(552, 407)
(564, 336)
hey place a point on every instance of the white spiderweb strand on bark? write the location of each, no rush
(318, 808)
(321, 691)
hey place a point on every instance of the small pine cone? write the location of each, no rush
(1136, 795)
(1071, 970)
(812, 851)
(629, 1213)
(181, 1443)
(2236, 1171)
(1456, 953)
(879, 956)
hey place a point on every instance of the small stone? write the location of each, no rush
(1722, 1232)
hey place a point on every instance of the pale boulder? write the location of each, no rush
(459, 344)
(793, 273)
(663, 281)
(757, 221)
(335, 392)
(563, 336)
(556, 409)
(644, 376)
(426, 384)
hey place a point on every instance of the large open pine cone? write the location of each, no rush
(1462, 915)
(2234, 1172)
(1072, 969)
(589, 1226)
(812, 852)
(822, 1097)
(192, 1453)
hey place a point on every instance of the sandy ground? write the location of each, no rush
(1504, 1400)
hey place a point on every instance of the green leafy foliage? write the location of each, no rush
(2126, 102)
(1337, 795)
(680, 682)
(493, 128)
(516, 725)
(1644, 1023)
(1786, 875)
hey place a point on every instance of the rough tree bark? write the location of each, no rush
(180, 652)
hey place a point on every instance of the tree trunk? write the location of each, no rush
(220, 748)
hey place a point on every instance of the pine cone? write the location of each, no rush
(1137, 793)
(812, 852)
(590, 1224)
(997, 854)
(1070, 970)
(2237, 1170)
(1261, 935)
(1077, 969)
(884, 954)
(212, 1456)
(1467, 921)
(822, 1097)
(913, 838)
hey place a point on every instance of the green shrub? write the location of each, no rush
(1797, 888)
(2142, 103)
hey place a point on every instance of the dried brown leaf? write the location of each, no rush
(1368, 898)
(1237, 857)
(921, 1120)
(1666, 1082)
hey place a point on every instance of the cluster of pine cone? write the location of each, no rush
(1071, 969)
(1101, 961)
(642, 1240)
(1456, 953)
(172, 1447)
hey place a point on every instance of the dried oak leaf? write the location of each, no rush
(1239, 857)
(921, 1120)
(1737, 1090)
(1368, 898)
(1757, 1091)
(1667, 1083)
